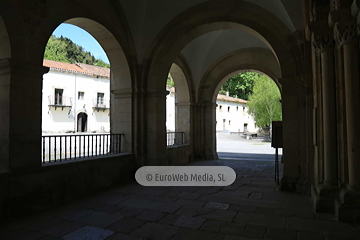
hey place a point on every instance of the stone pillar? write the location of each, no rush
(324, 193)
(346, 36)
(209, 126)
(324, 45)
(291, 128)
(183, 119)
(20, 122)
(348, 204)
(197, 133)
(121, 120)
(156, 127)
(307, 163)
(205, 131)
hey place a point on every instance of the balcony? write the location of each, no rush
(59, 101)
(101, 104)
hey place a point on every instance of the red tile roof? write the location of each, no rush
(78, 67)
(95, 70)
(230, 99)
(64, 66)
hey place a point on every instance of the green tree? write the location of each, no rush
(56, 50)
(62, 49)
(240, 85)
(170, 81)
(264, 103)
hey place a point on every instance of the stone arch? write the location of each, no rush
(258, 59)
(187, 26)
(115, 38)
(184, 97)
(202, 19)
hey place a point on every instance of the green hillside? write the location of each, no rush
(62, 49)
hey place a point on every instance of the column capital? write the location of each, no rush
(346, 32)
(157, 92)
(322, 41)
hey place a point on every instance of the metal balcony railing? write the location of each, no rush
(60, 101)
(101, 103)
(58, 148)
(175, 138)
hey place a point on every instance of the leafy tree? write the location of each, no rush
(240, 86)
(56, 50)
(170, 81)
(264, 103)
(62, 49)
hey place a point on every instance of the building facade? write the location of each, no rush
(232, 114)
(75, 98)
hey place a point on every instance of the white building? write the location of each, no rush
(75, 98)
(232, 114)
(170, 109)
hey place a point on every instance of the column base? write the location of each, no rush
(304, 187)
(288, 184)
(347, 206)
(324, 198)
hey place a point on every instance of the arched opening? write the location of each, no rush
(259, 60)
(87, 86)
(246, 122)
(179, 106)
(182, 31)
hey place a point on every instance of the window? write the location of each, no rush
(229, 122)
(100, 98)
(228, 109)
(81, 95)
(244, 112)
(58, 96)
(245, 127)
(237, 108)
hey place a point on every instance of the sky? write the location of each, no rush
(82, 38)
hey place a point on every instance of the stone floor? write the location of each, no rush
(251, 208)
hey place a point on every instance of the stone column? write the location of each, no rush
(183, 119)
(291, 128)
(20, 122)
(324, 45)
(197, 133)
(156, 127)
(346, 36)
(209, 126)
(121, 120)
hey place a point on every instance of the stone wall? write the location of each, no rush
(179, 155)
(50, 185)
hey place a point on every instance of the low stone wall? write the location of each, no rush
(22, 193)
(180, 155)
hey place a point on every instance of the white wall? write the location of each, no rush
(61, 120)
(238, 116)
(170, 112)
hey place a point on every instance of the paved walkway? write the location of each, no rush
(252, 208)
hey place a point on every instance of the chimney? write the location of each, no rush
(227, 93)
